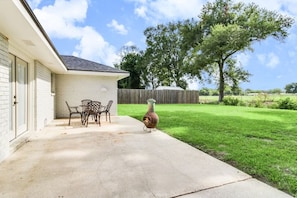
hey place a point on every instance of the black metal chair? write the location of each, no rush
(73, 110)
(93, 109)
(106, 110)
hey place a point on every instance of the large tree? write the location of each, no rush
(131, 60)
(226, 28)
(291, 88)
(164, 56)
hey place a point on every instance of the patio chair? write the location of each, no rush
(106, 110)
(73, 110)
(85, 104)
(93, 109)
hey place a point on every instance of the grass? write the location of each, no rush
(261, 142)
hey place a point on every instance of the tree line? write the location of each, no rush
(202, 48)
(205, 91)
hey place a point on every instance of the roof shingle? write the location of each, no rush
(79, 64)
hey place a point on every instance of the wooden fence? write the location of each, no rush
(140, 96)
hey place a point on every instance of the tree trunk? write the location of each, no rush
(222, 81)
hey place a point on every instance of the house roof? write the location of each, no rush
(80, 64)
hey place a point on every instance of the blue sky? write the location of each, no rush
(97, 30)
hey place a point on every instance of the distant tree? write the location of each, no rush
(131, 61)
(204, 92)
(291, 88)
(275, 91)
(163, 56)
(215, 93)
(224, 29)
(248, 90)
(228, 91)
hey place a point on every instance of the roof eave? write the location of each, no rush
(26, 34)
(117, 75)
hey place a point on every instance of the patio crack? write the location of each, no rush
(212, 187)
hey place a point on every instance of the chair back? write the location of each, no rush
(69, 109)
(85, 104)
(108, 105)
(95, 106)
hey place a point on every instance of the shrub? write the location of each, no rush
(256, 103)
(231, 101)
(287, 103)
(259, 101)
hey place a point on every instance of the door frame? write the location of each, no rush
(18, 96)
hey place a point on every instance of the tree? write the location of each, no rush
(163, 56)
(233, 75)
(131, 61)
(204, 91)
(291, 88)
(226, 28)
(275, 91)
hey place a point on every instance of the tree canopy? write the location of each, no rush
(227, 28)
(132, 62)
(291, 88)
(207, 45)
(164, 55)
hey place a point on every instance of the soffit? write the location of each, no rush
(117, 76)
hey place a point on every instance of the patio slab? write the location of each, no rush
(119, 159)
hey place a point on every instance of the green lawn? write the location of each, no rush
(259, 141)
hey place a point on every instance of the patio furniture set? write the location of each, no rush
(89, 108)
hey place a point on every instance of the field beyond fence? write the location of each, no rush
(140, 96)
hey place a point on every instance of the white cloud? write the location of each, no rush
(141, 11)
(270, 60)
(118, 27)
(175, 9)
(158, 10)
(243, 59)
(273, 60)
(288, 7)
(68, 24)
(193, 84)
(92, 46)
(130, 43)
(60, 22)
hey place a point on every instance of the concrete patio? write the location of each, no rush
(120, 159)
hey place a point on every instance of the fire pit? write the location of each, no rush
(150, 119)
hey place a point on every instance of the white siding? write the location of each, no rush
(44, 98)
(74, 88)
(4, 98)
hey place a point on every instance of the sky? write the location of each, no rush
(98, 29)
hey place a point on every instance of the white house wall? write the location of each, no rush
(74, 88)
(6, 145)
(44, 97)
(4, 97)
